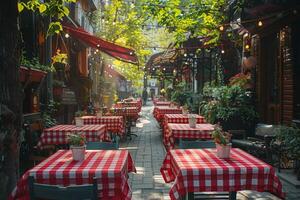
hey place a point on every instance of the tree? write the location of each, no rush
(11, 94)
(191, 18)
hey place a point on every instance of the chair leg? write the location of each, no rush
(190, 196)
(232, 195)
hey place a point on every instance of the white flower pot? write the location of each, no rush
(192, 121)
(78, 152)
(99, 114)
(223, 151)
(78, 121)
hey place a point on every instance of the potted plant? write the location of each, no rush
(78, 119)
(192, 121)
(185, 109)
(77, 145)
(288, 138)
(222, 140)
(57, 88)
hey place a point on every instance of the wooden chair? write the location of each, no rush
(55, 192)
(199, 144)
(101, 146)
(196, 144)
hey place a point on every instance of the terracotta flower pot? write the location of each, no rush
(78, 152)
(223, 151)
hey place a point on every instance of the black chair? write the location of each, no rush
(55, 192)
(200, 144)
(101, 146)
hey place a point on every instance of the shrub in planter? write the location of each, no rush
(288, 137)
(229, 105)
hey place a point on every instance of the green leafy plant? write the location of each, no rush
(80, 113)
(76, 139)
(220, 137)
(181, 94)
(227, 102)
(241, 79)
(35, 64)
(57, 83)
(48, 110)
(289, 138)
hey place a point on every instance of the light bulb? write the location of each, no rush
(221, 28)
(259, 23)
(67, 35)
(222, 51)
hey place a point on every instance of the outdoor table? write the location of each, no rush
(200, 170)
(160, 111)
(162, 103)
(130, 114)
(57, 135)
(130, 104)
(201, 131)
(114, 124)
(180, 119)
(109, 167)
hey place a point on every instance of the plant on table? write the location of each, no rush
(222, 140)
(221, 137)
(77, 145)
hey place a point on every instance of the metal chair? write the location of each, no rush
(55, 192)
(101, 146)
(196, 144)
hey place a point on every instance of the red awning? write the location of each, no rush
(114, 50)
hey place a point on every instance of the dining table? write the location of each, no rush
(162, 103)
(201, 170)
(58, 135)
(114, 124)
(109, 167)
(180, 119)
(185, 131)
(160, 111)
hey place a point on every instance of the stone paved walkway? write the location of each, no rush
(148, 153)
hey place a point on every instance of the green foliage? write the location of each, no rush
(35, 64)
(48, 111)
(181, 94)
(76, 139)
(80, 113)
(56, 9)
(220, 137)
(194, 18)
(289, 137)
(227, 102)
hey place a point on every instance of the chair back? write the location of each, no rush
(101, 146)
(197, 144)
(55, 192)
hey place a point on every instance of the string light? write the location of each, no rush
(260, 23)
(247, 46)
(221, 28)
(222, 51)
(67, 35)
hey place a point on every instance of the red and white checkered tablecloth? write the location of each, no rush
(114, 124)
(162, 103)
(200, 170)
(57, 135)
(180, 119)
(130, 104)
(132, 112)
(160, 111)
(110, 167)
(201, 131)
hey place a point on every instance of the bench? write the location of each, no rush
(259, 145)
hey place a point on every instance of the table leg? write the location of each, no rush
(190, 196)
(232, 195)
